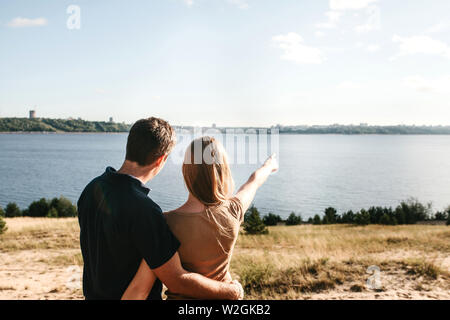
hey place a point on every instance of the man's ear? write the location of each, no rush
(161, 159)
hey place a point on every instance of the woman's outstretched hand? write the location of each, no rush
(248, 190)
(272, 163)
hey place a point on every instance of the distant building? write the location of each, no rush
(214, 125)
(32, 114)
(111, 119)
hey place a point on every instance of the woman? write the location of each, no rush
(207, 224)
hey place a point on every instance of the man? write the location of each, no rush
(120, 226)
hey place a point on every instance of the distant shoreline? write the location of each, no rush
(79, 126)
(60, 132)
(281, 133)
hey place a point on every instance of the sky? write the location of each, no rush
(229, 62)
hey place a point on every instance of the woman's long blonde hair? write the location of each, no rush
(206, 171)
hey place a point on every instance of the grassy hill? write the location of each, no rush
(59, 125)
(40, 258)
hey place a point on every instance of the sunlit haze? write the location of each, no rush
(229, 62)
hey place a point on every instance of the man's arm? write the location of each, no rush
(194, 285)
(141, 285)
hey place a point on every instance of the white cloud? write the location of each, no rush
(420, 45)
(294, 49)
(241, 4)
(366, 28)
(340, 7)
(319, 34)
(349, 85)
(333, 19)
(189, 3)
(373, 21)
(368, 47)
(350, 4)
(20, 22)
(333, 16)
(420, 84)
(325, 25)
(373, 48)
(439, 27)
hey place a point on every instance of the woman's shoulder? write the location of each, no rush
(234, 206)
(181, 213)
(170, 213)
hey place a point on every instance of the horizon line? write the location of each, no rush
(214, 125)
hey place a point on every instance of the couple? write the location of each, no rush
(130, 247)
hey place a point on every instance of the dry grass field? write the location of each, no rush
(40, 259)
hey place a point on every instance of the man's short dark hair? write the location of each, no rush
(148, 140)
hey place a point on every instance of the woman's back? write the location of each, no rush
(207, 238)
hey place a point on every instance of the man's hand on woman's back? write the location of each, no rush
(194, 285)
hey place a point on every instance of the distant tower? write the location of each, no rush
(214, 125)
(32, 114)
(111, 119)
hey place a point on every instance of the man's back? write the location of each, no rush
(120, 226)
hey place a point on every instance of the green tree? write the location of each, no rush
(39, 208)
(440, 216)
(394, 221)
(3, 226)
(385, 219)
(253, 223)
(400, 215)
(447, 211)
(12, 210)
(63, 207)
(317, 220)
(376, 213)
(2, 212)
(362, 218)
(413, 211)
(330, 216)
(271, 219)
(52, 213)
(293, 219)
(348, 217)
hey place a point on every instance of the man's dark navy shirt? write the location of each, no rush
(119, 226)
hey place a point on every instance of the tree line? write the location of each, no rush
(365, 129)
(407, 212)
(52, 208)
(59, 125)
(79, 125)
